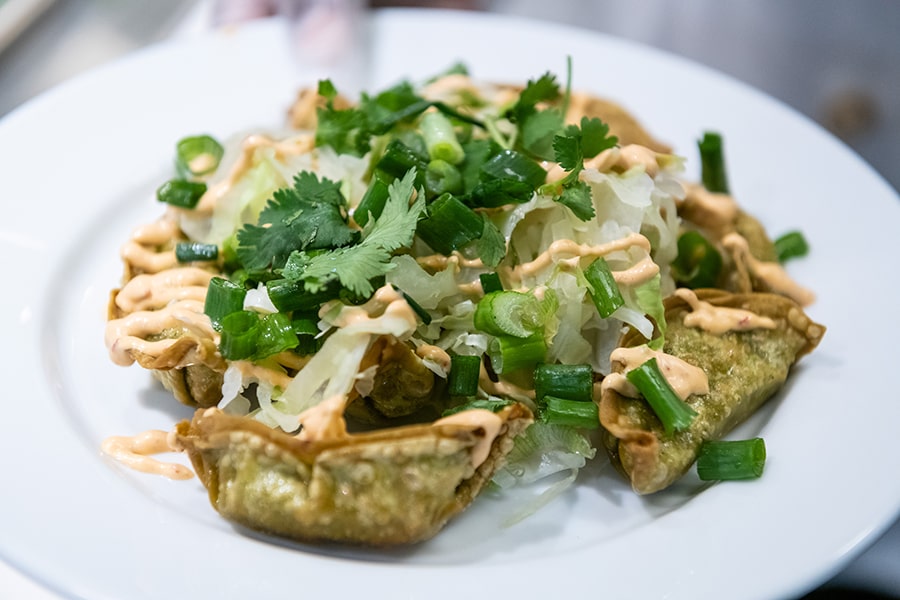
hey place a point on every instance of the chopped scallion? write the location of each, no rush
(672, 411)
(731, 460)
(290, 295)
(490, 282)
(560, 411)
(570, 382)
(181, 193)
(463, 376)
(198, 155)
(186, 252)
(510, 354)
(306, 329)
(450, 225)
(440, 139)
(276, 334)
(698, 263)
(398, 159)
(791, 245)
(511, 313)
(222, 298)
(712, 163)
(372, 203)
(240, 333)
(441, 177)
(604, 290)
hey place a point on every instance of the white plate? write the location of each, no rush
(79, 167)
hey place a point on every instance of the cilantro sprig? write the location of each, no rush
(310, 215)
(355, 266)
(571, 148)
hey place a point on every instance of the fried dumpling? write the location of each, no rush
(744, 369)
(381, 488)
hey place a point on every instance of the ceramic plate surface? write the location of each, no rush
(79, 168)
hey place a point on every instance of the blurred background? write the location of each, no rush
(836, 61)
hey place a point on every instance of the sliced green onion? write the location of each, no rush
(712, 163)
(463, 377)
(240, 334)
(573, 413)
(442, 178)
(423, 314)
(509, 164)
(672, 411)
(306, 329)
(570, 382)
(510, 354)
(276, 334)
(731, 460)
(288, 295)
(604, 290)
(516, 314)
(440, 139)
(372, 203)
(198, 155)
(398, 159)
(186, 252)
(791, 245)
(698, 263)
(181, 193)
(490, 282)
(450, 225)
(222, 298)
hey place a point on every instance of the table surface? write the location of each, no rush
(851, 89)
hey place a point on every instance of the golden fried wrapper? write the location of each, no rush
(744, 368)
(382, 488)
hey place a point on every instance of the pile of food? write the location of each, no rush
(397, 302)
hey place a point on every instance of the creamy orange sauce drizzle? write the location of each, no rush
(325, 420)
(477, 418)
(136, 452)
(710, 209)
(770, 273)
(153, 291)
(562, 251)
(128, 334)
(720, 319)
(142, 249)
(386, 300)
(685, 378)
(439, 262)
(435, 354)
(251, 370)
(642, 271)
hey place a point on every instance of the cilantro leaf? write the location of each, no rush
(391, 107)
(577, 197)
(595, 137)
(355, 266)
(538, 131)
(569, 151)
(491, 246)
(543, 89)
(345, 130)
(308, 216)
(570, 148)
